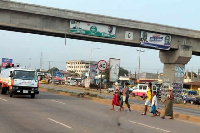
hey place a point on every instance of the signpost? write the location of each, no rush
(102, 66)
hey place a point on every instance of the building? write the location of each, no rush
(79, 66)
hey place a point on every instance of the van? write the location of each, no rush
(140, 90)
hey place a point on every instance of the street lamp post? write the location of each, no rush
(50, 68)
(91, 50)
(139, 63)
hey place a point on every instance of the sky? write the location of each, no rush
(26, 49)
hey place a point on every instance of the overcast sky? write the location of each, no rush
(26, 48)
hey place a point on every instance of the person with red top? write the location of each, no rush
(116, 97)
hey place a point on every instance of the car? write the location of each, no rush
(113, 88)
(191, 97)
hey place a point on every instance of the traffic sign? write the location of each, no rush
(102, 65)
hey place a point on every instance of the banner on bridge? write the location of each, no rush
(92, 29)
(155, 40)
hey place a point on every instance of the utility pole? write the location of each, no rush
(139, 63)
(41, 60)
(50, 67)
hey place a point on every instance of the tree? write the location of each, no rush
(122, 72)
(53, 70)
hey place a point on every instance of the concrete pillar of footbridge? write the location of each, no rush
(174, 63)
(174, 68)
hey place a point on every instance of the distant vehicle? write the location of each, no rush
(19, 81)
(113, 88)
(140, 90)
(191, 97)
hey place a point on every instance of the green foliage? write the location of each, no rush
(122, 72)
(53, 70)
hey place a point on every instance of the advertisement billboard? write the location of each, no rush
(6, 63)
(93, 69)
(155, 40)
(114, 69)
(92, 29)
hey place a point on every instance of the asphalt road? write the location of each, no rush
(52, 113)
(183, 110)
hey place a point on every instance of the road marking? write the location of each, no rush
(57, 101)
(3, 99)
(59, 123)
(149, 126)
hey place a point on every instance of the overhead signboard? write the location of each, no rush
(92, 29)
(114, 69)
(155, 40)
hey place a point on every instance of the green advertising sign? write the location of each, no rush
(92, 29)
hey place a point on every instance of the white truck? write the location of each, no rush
(19, 81)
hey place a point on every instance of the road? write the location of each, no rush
(183, 110)
(52, 113)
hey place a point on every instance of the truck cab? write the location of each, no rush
(17, 81)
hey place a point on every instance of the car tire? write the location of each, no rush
(32, 95)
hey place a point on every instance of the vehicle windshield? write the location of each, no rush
(25, 75)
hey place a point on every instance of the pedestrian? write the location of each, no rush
(149, 98)
(154, 105)
(169, 104)
(116, 96)
(125, 98)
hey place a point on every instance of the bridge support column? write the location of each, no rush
(174, 67)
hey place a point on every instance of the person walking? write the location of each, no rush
(154, 105)
(125, 98)
(169, 104)
(116, 96)
(149, 98)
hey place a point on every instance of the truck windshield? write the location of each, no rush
(25, 75)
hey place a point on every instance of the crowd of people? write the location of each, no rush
(121, 96)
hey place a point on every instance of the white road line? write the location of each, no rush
(3, 99)
(149, 126)
(57, 101)
(60, 123)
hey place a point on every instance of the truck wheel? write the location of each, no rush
(11, 94)
(32, 95)
(3, 90)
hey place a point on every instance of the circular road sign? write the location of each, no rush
(102, 65)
